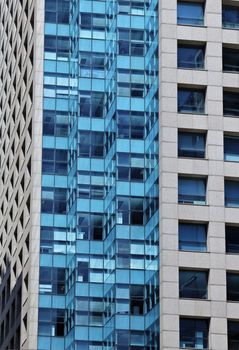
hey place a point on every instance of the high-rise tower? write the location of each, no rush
(119, 151)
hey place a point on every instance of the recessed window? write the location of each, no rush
(233, 335)
(191, 56)
(191, 100)
(232, 286)
(193, 284)
(231, 103)
(192, 237)
(190, 13)
(232, 239)
(194, 333)
(231, 193)
(231, 148)
(191, 144)
(230, 17)
(191, 190)
(230, 59)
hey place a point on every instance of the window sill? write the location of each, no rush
(192, 25)
(231, 71)
(193, 69)
(230, 116)
(193, 251)
(196, 205)
(193, 113)
(193, 158)
(230, 28)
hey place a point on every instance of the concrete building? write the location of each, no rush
(119, 174)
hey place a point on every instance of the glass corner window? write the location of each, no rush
(230, 17)
(191, 190)
(191, 56)
(190, 13)
(191, 100)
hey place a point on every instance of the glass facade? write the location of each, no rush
(99, 222)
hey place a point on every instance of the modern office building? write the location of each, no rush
(119, 174)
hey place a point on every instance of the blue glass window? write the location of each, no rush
(193, 237)
(193, 284)
(230, 59)
(230, 17)
(55, 123)
(231, 148)
(51, 322)
(233, 335)
(52, 280)
(54, 161)
(231, 193)
(232, 239)
(190, 13)
(191, 190)
(191, 101)
(191, 56)
(194, 333)
(53, 200)
(232, 286)
(191, 144)
(231, 103)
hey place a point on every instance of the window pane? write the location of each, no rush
(193, 333)
(191, 56)
(230, 59)
(230, 17)
(232, 286)
(231, 103)
(231, 193)
(191, 101)
(191, 190)
(193, 284)
(231, 148)
(233, 335)
(232, 239)
(193, 237)
(191, 145)
(191, 13)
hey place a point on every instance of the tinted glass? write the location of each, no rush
(191, 56)
(233, 335)
(193, 284)
(231, 148)
(230, 60)
(191, 145)
(193, 237)
(191, 190)
(230, 103)
(231, 193)
(191, 13)
(191, 101)
(232, 239)
(193, 333)
(232, 286)
(230, 17)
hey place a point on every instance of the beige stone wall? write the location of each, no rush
(214, 167)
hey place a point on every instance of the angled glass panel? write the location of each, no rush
(193, 284)
(194, 333)
(193, 237)
(231, 103)
(231, 193)
(191, 144)
(191, 101)
(191, 56)
(230, 17)
(231, 148)
(192, 190)
(232, 239)
(230, 60)
(190, 13)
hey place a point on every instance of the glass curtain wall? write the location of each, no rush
(104, 240)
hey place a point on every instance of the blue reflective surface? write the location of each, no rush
(193, 237)
(191, 144)
(230, 17)
(191, 56)
(191, 101)
(191, 190)
(190, 13)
